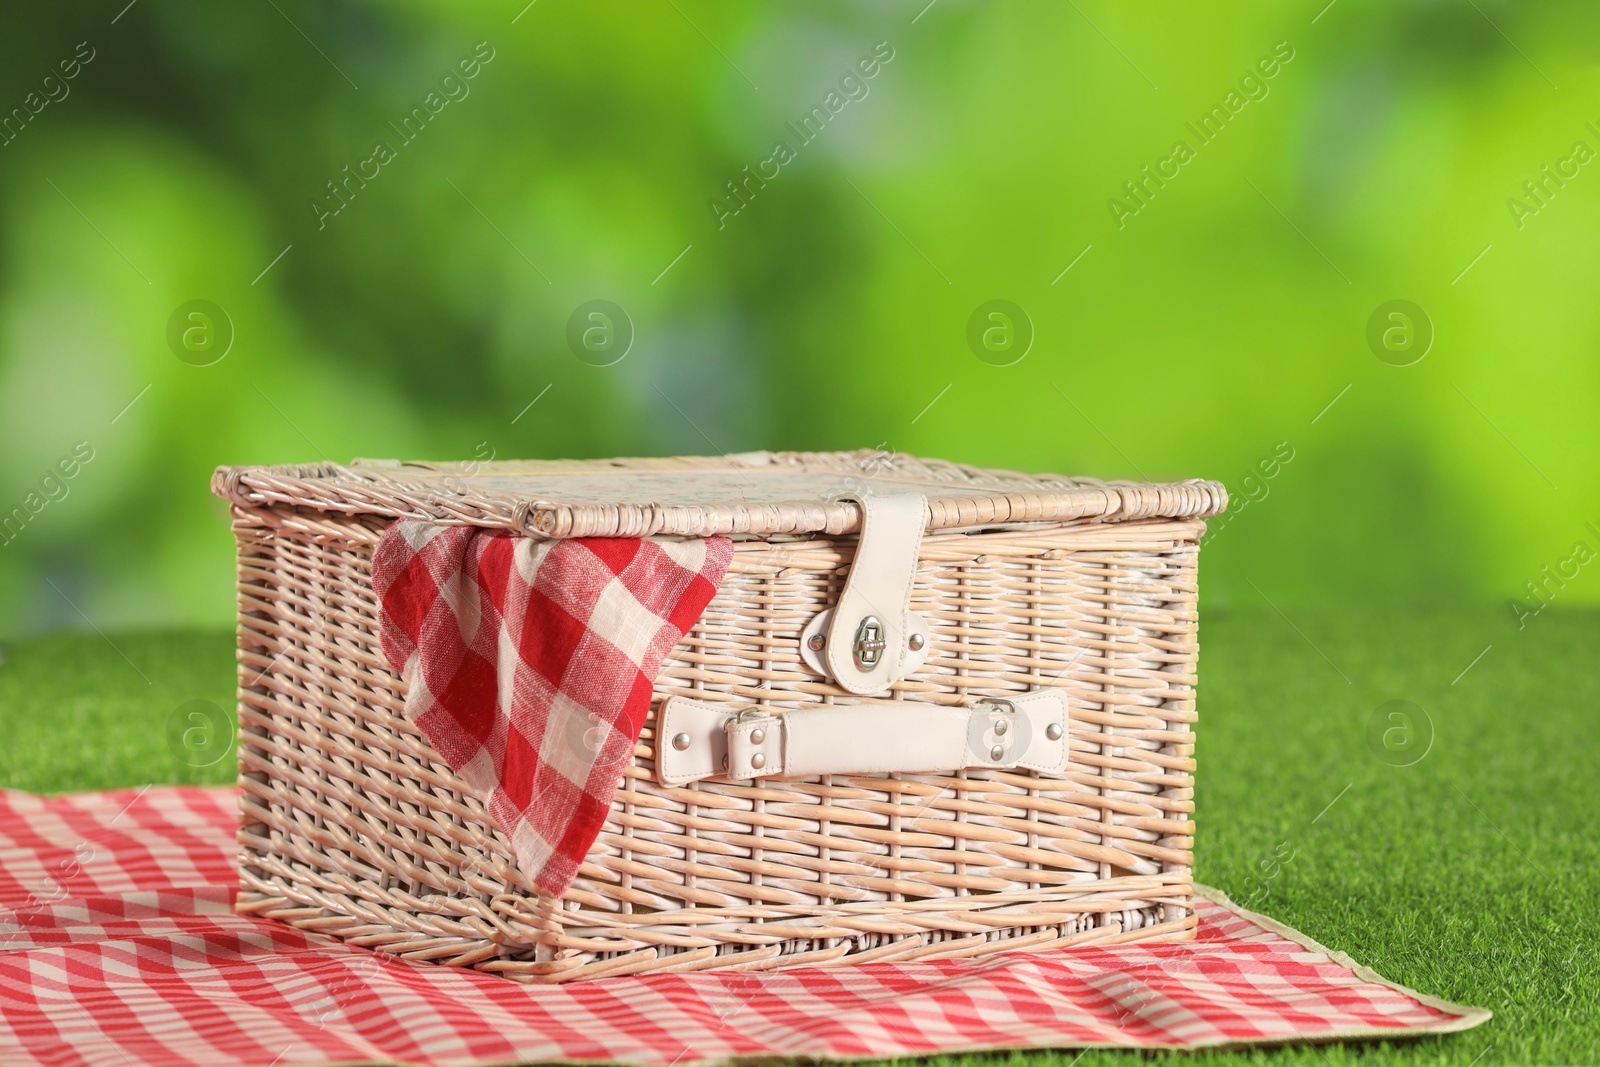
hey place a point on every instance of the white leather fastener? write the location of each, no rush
(700, 729)
(818, 626)
(879, 585)
(991, 733)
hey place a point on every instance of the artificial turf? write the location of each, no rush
(1470, 874)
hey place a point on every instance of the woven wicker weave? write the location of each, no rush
(352, 826)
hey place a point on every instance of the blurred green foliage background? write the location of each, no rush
(1204, 334)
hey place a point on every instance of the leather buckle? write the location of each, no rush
(755, 744)
(998, 733)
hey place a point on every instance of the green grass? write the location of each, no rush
(79, 711)
(1471, 875)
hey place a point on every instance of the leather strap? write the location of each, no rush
(698, 740)
(876, 600)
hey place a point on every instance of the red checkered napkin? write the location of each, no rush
(529, 665)
(119, 948)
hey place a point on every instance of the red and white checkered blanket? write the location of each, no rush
(119, 948)
(529, 665)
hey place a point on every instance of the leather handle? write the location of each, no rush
(867, 637)
(698, 740)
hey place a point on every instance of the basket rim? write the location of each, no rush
(718, 493)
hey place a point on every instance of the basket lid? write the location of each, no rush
(751, 493)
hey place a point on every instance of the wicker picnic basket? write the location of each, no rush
(1051, 619)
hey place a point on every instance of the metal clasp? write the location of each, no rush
(869, 644)
(750, 714)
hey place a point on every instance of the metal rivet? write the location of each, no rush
(815, 642)
(1053, 731)
(757, 736)
(997, 753)
(1000, 728)
(681, 742)
(916, 642)
(758, 761)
